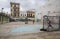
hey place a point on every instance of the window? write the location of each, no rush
(12, 5)
(18, 14)
(16, 9)
(14, 14)
(31, 15)
(0, 18)
(17, 5)
(11, 10)
(25, 14)
(21, 14)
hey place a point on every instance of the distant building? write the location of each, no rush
(31, 15)
(15, 9)
(23, 14)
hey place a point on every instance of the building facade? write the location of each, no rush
(23, 14)
(15, 9)
(31, 15)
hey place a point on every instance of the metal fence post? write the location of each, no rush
(43, 22)
(2, 19)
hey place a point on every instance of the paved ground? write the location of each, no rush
(12, 25)
(4, 32)
(39, 35)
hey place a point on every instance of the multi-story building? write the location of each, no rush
(31, 15)
(15, 9)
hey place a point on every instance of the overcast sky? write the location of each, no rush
(24, 4)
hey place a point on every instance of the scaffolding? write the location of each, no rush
(55, 22)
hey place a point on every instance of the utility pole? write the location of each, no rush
(2, 15)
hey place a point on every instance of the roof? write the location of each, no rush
(14, 3)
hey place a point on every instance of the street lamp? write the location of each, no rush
(2, 14)
(2, 10)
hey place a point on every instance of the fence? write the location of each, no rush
(3, 19)
(55, 22)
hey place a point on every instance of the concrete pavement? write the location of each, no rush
(5, 29)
